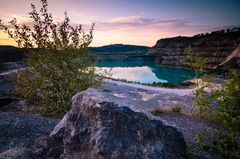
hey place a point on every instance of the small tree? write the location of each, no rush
(194, 61)
(58, 64)
(226, 144)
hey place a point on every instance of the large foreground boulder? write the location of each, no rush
(98, 129)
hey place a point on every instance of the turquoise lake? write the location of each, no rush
(145, 71)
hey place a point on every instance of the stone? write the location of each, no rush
(12, 74)
(7, 80)
(8, 103)
(98, 129)
(24, 136)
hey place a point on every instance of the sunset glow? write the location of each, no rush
(133, 22)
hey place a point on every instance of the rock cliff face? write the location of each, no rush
(231, 62)
(98, 129)
(214, 47)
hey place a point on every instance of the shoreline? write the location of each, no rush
(179, 91)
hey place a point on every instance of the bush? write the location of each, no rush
(228, 144)
(58, 66)
(194, 61)
(226, 111)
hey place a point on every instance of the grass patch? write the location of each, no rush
(158, 111)
(176, 109)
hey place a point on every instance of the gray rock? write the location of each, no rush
(98, 129)
(12, 74)
(9, 103)
(24, 136)
(7, 80)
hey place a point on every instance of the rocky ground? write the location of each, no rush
(191, 127)
(142, 97)
(23, 135)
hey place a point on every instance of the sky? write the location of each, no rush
(138, 22)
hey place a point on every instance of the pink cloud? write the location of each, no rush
(137, 22)
(137, 29)
(145, 31)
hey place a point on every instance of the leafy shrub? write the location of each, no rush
(194, 61)
(202, 98)
(228, 144)
(227, 111)
(58, 66)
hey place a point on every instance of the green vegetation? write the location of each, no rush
(176, 109)
(220, 32)
(58, 62)
(227, 113)
(232, 33)
(194, 61)
(222, 104)
(167, 84)
(158, 110)
(228, 144)
(185, 84)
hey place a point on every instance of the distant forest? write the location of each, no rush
(119, 48)
(229, 33)
(217, 32)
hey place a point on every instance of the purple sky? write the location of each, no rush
(140, 22)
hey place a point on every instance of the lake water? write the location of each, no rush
(145, 71)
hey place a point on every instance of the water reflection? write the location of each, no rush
(134, 74)
(145, 71)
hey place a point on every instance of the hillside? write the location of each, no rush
(12, 54)
(12, 57)
(215, 47)
(119, 49)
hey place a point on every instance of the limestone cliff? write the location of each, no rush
(215, 47)
(232, 61)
